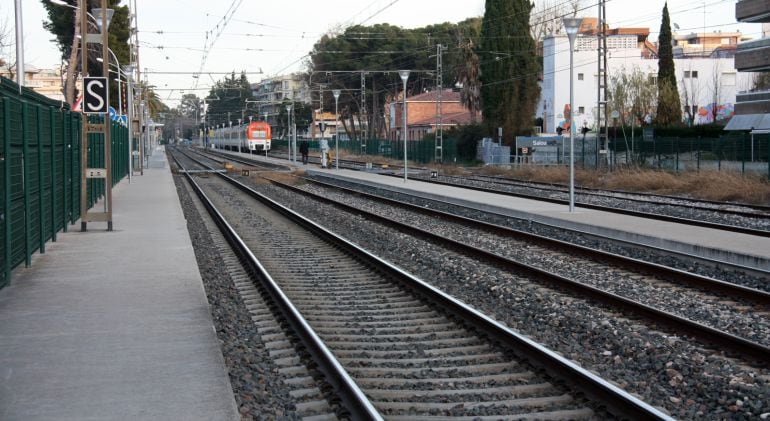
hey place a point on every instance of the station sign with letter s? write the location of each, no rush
(95, 96)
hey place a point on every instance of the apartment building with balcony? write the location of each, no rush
(752, 108)
(715, 44)
(44, 81)
(270, 94)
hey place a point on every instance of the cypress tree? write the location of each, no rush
(669, 106)
(509, 68)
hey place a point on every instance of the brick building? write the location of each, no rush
(421, 114)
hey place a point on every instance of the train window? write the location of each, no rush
(259, 134)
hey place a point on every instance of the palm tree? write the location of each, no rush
(468, 77)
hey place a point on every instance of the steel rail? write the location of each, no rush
(615, 399)
(353, 398)
(700, 281)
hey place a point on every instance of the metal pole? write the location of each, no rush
(19, 45)
(83, 132)
(572, 25)
(404, 77)
(129, 119)
(336, 93)
(571, 130)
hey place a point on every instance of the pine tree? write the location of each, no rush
(509, 68)
(669, 106)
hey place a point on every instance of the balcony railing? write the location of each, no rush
(752, 11)
(753, 56)
(753, 102)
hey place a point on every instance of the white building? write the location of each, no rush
(271, 93)
(696, 78)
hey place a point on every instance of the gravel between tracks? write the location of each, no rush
(715, 311)
(690, 382)
(259, 392)
(687, 380)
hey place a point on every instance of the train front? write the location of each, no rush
(259, 134)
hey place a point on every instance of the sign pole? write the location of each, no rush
(107, 120)
(84, 122)
(95, 101)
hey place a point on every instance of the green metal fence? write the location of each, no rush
(40, 172)
(420, 151)
(741, 152)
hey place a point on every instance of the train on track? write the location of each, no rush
(254, 136)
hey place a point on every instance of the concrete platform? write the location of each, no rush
(742, 249)
(114, 325)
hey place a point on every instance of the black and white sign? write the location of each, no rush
(95, 98)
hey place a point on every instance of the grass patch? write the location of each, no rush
(707, 185)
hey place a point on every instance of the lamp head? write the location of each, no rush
(98, 12)
(404, 74)
(572, 26)
(336, 94)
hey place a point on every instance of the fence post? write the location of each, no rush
(52, 120)
(25, 184)
(66, 128)
(40, 204)
(7, 190)
(697, 156)
(743, 154)
(676, 151)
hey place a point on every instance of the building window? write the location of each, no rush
(581, 110)
(694, 110)
(691, 74)
(728, 79)
(653, 80)
(580, 76)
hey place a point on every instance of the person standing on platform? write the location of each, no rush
(304, 149)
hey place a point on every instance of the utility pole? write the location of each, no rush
(19, 45)
(601, 94)
(439, 139)
(364, 119)
(140, 120)
(102, 18)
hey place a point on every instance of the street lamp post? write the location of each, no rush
(19, 45)
(292, 151)
(240, 141)
(336, 94)
(265, 148)
(404, 76)
(572, 25)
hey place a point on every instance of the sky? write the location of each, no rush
(267, 38)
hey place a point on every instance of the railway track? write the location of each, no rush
(742, 218)
(392, 343)
(627, 284)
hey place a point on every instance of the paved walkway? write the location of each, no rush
(114, 325)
